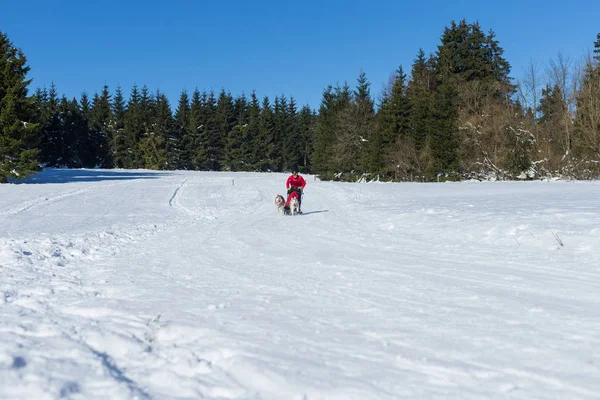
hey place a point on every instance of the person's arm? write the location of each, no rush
(287, 184)
(303, 182)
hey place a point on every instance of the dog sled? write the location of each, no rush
(292, 205)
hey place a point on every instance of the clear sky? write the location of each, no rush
(273, 47)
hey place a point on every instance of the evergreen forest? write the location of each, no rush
(454, 114)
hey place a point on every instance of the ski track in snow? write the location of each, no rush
(185, 285)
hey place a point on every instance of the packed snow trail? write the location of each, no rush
(180, 285)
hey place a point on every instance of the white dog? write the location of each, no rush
(280, 204)
(294, 206)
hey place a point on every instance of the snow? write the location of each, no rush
(187, 285)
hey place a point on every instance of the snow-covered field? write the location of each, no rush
(174, 285)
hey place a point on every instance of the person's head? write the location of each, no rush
(295, 172)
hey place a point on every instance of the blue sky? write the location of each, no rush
(273, 47)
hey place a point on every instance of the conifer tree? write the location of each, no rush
(307, 121)
(332, 103)
(243, 110)
(224, 119)
(393, 123)
(266, 134)
(235, 151)
(442, 141)
(147, 105)
(176, 148)
(190, 141)
(153, 145)
(18, 133)
(72, 132)
(100, 119)
(499, 66)
(85, 105)
(117, 126)
(395, 109)
(50, 130)
(85, 152)
(251, 145)
(209, 146)
(362, 93)
(280, 118)
(204, 128)
(419, 94)
(354, 132)
(127, 154)
(293, 145)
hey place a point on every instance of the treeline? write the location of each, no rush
(460, 115)
(206, 132)
(457, 115)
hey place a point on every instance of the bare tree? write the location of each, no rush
(587, 122)
(404, 159)
(529, 88)
(564, 74)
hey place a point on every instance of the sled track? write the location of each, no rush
(44, 200)
(172, 199)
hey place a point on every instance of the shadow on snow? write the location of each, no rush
(314, 212)
(55, 175)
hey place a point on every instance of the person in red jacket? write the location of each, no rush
(295, 183)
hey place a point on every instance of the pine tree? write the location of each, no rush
(362, 94)
(85, 152)
(224, 118)
(100, 119)
(147, 105)
(307, 122)
(85, 105)
(597, 48)
(116, 125)
(499, 66)
(419, 93)
(177, 158)
(203, 120)
(164, 128)
(442, 141)
(266, 132)
(276, 147)
(393, 123)
(153, 144)
(332, 103)
(190, 140)
(72, 132)
(210, 144)
(252, 148)
(126, 143)
(353, 132)
(235, 150)
(552, 105)
(293, 146)
(50, 130)
(18, 133)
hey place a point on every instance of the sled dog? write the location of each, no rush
(280, 203)
(294, 206)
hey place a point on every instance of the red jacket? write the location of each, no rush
(295, 182)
